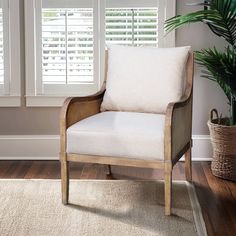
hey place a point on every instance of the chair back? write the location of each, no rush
(146, 79)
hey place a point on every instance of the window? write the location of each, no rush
(138, 22)
(9, 53)
(132, 26)
(67, 46)
(65, 52)
(65, 42)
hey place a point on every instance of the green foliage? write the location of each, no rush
(220, 16)
(221, 67)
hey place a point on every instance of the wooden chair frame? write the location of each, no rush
(177, 137)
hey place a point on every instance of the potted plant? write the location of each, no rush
(219, 66)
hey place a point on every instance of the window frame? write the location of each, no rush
(55, 89)
(10, 94)
(34, 94)
(34, 83)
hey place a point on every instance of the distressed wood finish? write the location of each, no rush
(74, 110)
(108, 169)
(177, 140)
(188, 165)
(65, 181)
(118, 161)
(168, 188)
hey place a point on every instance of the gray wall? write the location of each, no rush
(207, 94)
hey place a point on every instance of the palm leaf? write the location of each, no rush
(221, 67)
(220, 16)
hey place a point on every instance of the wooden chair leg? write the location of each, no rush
(168, 188)
(188, 165)
(108, 169)
(65, 181)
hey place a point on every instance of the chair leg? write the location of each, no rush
(168, 188)
(188, 165)
(65, 181)
(108, 169)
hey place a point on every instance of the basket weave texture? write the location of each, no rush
(223, 139)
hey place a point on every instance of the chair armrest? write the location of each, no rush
(178, 128)
(178, 121)
(75, 109)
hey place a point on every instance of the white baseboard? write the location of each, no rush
(46, 147)
(29, 147)
(202, 149)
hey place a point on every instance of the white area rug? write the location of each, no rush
(97, 208)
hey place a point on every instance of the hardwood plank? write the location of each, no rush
(17, 170)
(76, 170)
(4, 168)
(205, 198)
(224, 197)
(37, 170)
(89, 172)
(52, 170)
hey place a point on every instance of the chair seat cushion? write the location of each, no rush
(119, 134)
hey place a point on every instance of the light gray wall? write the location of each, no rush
(207, 94)
(25, 120)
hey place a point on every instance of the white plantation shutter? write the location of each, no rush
(9, 53)
(132, 26)
(4, 47)
(67, 55)
(133, 22)
(65, 42)
(1, 49)
(67, 46)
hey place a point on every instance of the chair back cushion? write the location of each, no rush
(143, 79)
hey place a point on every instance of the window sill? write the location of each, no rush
(45, 101)
(10, 101)
(49, 100)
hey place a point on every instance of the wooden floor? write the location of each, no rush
(217, 197)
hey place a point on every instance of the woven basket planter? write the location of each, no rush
(223, 139)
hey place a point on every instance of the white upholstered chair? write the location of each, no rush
(142, 117)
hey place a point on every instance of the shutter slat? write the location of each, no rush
(132, 26)
(67, 45)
